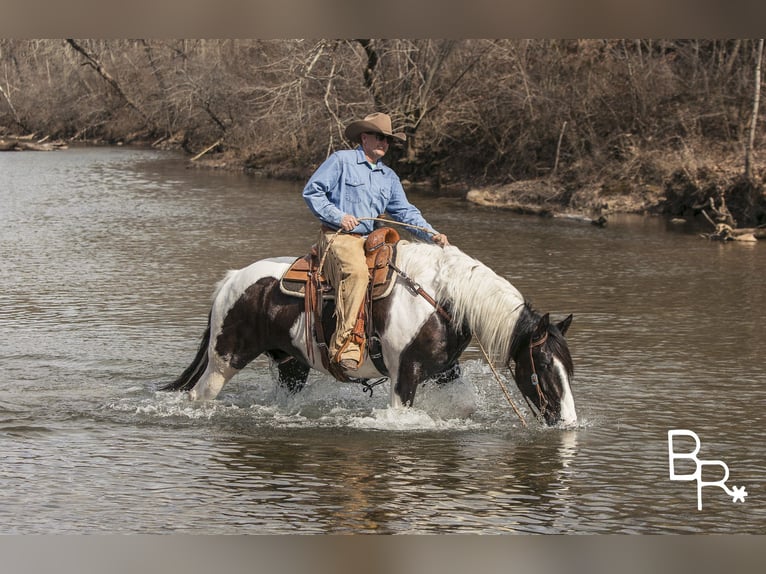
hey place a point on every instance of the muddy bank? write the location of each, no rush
(681, 192)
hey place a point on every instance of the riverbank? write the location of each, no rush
(667, 182)
(662, 182)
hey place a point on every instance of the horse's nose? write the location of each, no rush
(563, 419)
(569, 421)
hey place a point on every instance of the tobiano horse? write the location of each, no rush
(251, 316)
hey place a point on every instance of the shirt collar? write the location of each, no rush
(360, 158)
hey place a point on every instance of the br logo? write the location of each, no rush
(737, 493)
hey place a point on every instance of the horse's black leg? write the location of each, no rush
(432, 353)
(412, 374)
(292, 374)
(407, 383)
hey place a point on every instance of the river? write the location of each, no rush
(109, 256)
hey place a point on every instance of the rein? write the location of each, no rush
(390, 221)
(502, 386)
(535, 379)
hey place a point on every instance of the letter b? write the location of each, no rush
(672, 455)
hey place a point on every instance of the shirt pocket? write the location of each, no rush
(354, 190)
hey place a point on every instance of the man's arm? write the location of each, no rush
(320, 185)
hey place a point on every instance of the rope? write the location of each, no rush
(502, 386)
(391, 221)
(326, 251)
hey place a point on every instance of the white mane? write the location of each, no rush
(477, 296)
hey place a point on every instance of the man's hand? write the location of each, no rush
(348, 222)
(441, 239)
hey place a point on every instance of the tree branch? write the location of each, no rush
(94, 63)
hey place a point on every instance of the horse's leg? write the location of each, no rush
(292, 374)
(259, 319)
(406, 383)
(434, 352)
(212, 381)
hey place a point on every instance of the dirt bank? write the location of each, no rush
(662, 183)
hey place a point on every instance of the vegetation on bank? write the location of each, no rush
(580, 125)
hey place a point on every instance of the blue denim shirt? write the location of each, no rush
(346, 183)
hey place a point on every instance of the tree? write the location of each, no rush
(754, 117)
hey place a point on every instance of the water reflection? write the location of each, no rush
(427, 483)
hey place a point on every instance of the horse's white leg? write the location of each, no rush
(212, 381)
(395, 401)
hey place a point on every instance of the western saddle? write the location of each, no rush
(304, 279)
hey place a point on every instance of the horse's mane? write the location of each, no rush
(478, 298)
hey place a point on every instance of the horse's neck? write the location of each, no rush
(478, 298)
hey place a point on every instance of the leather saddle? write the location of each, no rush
(303, 280)
(379, 249)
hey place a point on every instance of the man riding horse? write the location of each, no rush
(346, 193)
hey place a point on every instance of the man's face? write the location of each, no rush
(374, 145)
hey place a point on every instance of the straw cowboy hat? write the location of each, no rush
(376, 123)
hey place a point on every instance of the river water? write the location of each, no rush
(108, 258)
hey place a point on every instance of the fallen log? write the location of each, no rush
(206, 150)
(725, 228)
(598, 221)
(18, 144)
(725, 232)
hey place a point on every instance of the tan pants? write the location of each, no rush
(346, 269)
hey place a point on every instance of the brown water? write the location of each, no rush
(108, 258)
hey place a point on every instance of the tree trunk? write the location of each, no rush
(754, 119)
(369, 71)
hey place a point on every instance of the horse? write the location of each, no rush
(420, 339)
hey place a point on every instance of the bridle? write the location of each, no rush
(535, 379)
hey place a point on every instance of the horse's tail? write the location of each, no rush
(194, 371)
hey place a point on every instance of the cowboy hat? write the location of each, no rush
(376, 123)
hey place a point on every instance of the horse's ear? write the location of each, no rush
(542, 327)
(564, 325)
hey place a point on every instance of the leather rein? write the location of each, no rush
(535, 379)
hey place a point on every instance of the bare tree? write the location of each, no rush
(754, 117)
(92, 61)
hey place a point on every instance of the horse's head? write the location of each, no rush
(544, 369)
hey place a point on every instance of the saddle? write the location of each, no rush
(303, 279)
(379, 249)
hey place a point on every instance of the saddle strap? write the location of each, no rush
(374, 348)
(313, 309)
(418, 290)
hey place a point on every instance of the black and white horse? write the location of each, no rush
(250, 315)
